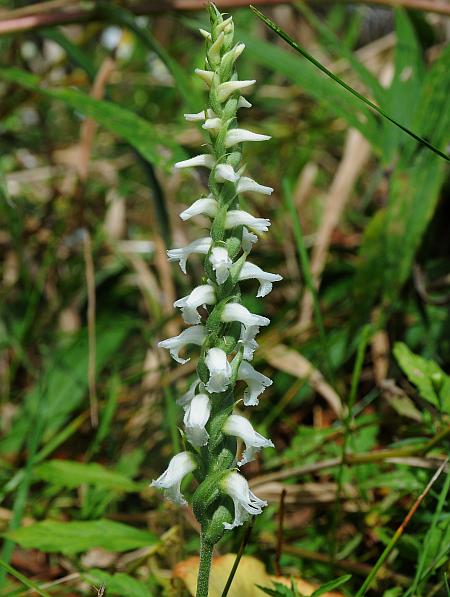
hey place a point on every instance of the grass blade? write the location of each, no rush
(23, 579)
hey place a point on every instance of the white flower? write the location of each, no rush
(254, 441)
(235, 136)
(219, 370)
(237, 217)
(256, 383)
(199, 160)
(248, 239)
(245, 502)
(201, 295)
(180, 465)
(214, 50)
(194, 335)
(203, 115)
(205, 205)
(237, 312)
(212, 124)
(225, 172)
(248, 341)
(186, 398)
(250, 271)
(221, 263)
(243, 103)
(234, 53)
(195, 418)
(224, 90)
(248, 184)
(206, 75)
(205, 34)
(201, 246)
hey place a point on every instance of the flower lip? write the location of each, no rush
(246, 503)
(251, 271)
(204, 205)
(237, 217)
(181, 254)
(237, 312)
(219, 370)
(201, 295)
(180, 465)
(221, 263)
(193, 335)
(256, 383)
(195, 418)
(254, 441)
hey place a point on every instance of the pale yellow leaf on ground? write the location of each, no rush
(251, 572)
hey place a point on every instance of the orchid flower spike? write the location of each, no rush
(245, 501)
(254, 441)
(181, 465)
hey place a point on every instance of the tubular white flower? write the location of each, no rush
(214, 50)
(224, 90)
(221, 263)
(248, 341)
(201, 295)
(194, 335)
(199, 160)
(265, 279)
(237, 217)
(234, 53)
(195, 418)
(206, 75)
(205, 34)
(205, 205)
(212, 124)
(225, 172)
(180, 465)
(254, 441)
(186, 398)
(203, 115)
(248, 239)
(248, 184)
(246, 503)
(200, 246)
(237, 312)
(235, 136)
(243, 103)
(256, 383)
(219, 370)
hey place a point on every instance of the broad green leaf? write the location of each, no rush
(117, 584)
(70, 474)
(120, 121)
(64, 376)
(74, 537)
(433, 384)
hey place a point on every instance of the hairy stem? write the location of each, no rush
(206, 551)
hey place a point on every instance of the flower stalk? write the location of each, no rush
(224, 330)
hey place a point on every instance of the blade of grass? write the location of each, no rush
(172, 422)
(339, 81)
(398, 533)
(23, 579)
(306, 270)
(240, 553)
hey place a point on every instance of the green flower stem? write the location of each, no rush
(206, 551)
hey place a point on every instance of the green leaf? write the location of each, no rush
(75, 537)
(330, 586)
(117, 584)
(433, 384)
(70, 474)
(120, 121)
(349, 89)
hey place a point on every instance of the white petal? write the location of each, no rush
(225, 25)
(224, 90)
(203, 115)
(237, 217)
(250, 271)
(186, 398)
(245, 501)
(180, 465)
(212, 124)
(248, 341)
(201, 295)
(198, 160)
(214, 50)
(205, 34)
(256, 383)
(205, 205)
(206, 75)
(248, 184)
(237, 312)
(219, 370)
(225, 172)
(195, 418)
(235, 136)
(248, 239)
(254, 441)
(243, 103)
(200, 246)
(194, 335)
(221, 263)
